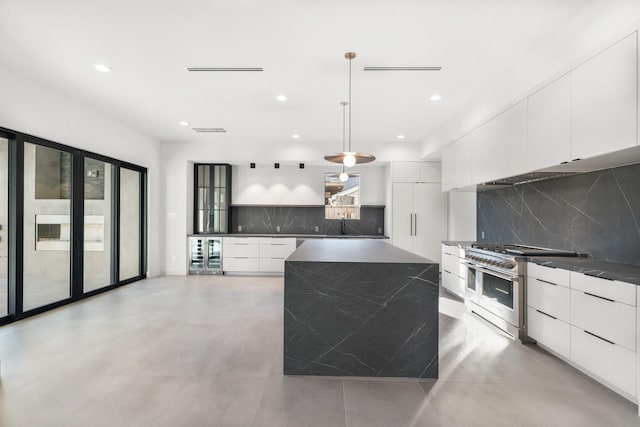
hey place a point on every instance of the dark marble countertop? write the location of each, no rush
(458, 243)
(593, 267)
(355, 250)
(297, 236)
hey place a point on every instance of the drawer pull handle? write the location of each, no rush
(446, 271)
(447, 253)
(548, 315)
(595, 275)
(599, 337)
(598, 296)
(547, 282)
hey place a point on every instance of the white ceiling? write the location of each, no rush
(299, 43)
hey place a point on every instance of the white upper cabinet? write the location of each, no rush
(497, 152)
(456, 164)
(604, 101)
(416, 172)
(549, 129)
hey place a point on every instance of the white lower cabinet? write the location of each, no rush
(256, 254)
(611, 362)
(550, 331)
(453, 272)
(589, 321)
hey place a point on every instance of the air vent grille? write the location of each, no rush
(210, 130)
(225, 69)
(402, 68)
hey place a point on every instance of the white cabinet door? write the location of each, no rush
(497, 152)
(402, 216)
(611, 362)
(552, 333)
(430, 220)
(456, 164)
(551, 299)
(604, 101)
(405, 171)
(610, 320)
(549, 128)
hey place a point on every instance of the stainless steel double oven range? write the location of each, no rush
(496, 283)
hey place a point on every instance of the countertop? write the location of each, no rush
(297, 236)
(354, 251)
(458, 243)
(593, 267)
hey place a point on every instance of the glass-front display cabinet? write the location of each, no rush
(212, 198)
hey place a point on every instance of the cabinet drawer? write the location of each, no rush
(610, 320)
(272, 265)
(450, 263)
(241, 250)
(612, 363)
(241, 265)
(276, 250)
(552, 333)
(278, 241)
(453, 284)
(549, 298)
(241, 240)
(557, 276)
(611, 289)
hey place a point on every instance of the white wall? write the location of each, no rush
(462, 215)
(291, 185)
(41, 111)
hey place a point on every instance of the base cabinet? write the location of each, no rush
(255, 255)
(453, 272)
(611, 362)
(588, 321)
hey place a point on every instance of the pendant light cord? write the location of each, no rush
(350, 59)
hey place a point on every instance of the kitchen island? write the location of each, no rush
(360, 308)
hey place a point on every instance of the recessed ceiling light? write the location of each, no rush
(103, 68)
(435, 97)
(400, 136)
(183, 123)
(281, 98)
(295, 136)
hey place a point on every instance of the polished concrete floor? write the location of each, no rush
(207, 351)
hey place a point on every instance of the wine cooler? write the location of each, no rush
(205, 255)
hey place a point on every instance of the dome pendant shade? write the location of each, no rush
(360, 158)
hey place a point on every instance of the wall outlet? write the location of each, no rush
(482, 235)
(379, 230)
(317, 228)
(277, 228)
(239, 228)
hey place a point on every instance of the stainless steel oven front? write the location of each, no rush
(494, 295)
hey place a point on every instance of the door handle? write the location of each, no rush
(415, 224)
(410, 224)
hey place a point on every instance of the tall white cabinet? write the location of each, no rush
(419, 209)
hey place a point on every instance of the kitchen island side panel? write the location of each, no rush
(361, 319)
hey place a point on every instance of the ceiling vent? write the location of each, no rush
(402, 68)
(210, 130)
(225, 69)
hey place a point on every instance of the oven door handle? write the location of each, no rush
(499, 274)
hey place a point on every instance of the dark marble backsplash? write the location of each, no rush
(302, 220)
(597, 213)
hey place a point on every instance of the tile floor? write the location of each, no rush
(207, 351)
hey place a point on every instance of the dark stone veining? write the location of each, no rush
(302, 220)
(597, 213)
(361, 319)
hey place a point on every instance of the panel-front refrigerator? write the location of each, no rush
(205, 255)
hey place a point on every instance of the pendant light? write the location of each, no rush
(349, 158)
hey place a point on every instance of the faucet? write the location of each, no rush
(343, 226)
